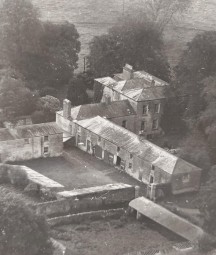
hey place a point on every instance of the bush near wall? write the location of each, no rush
(14, 175)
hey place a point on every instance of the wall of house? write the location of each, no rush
(26, 149)
(149, 117)
(186, 182)
(111, 154)
(130, 122)
(64, 123)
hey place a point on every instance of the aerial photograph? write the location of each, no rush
(107, 127)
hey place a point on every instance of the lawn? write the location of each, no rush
(82, 171)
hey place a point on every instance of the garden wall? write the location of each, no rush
(89, 199)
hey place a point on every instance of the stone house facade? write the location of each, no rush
(146, 94)
(142, 160)
(119, 112)
(30, 141)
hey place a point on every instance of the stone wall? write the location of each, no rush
(87, 216)
(26, 149)
(89, 199)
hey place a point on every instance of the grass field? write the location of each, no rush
(94, 17)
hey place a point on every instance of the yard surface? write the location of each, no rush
(113, 237)
(81, 171)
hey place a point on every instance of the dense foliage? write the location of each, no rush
(138, 43)
(22, 232)
(45, 53)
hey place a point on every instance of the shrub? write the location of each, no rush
(17, 176)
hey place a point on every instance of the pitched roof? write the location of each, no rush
(131, 142)
(142, 87)
(29, 131)
(112, 110)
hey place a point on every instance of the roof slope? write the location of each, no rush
(112, 110)
(28, 131)
(131, 142)
(167, 219)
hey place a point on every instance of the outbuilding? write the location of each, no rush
(141, 159)
(30, 141)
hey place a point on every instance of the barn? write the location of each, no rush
(141, 159)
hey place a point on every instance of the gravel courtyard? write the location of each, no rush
(80, 171)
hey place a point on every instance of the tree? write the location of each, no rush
(138, 43)
(197, 63)
(15, 98)
(55, 64)
(45, 53)
(77, 91)
(46, 109)
(22, 231)
(161, 12)
(21, 30)
(194, 149)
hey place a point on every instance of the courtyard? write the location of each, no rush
(78, 169)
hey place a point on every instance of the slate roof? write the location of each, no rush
(142, 149)
(112, 110)
(167, 219)
(140, 88)
(29, 131)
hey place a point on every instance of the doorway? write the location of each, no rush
(118, 161)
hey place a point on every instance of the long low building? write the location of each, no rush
(141, 159)
(30, 141)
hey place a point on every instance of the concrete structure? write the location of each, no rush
(142, 160)
(167, 219)
(146, 93)
(30, 141)
(119, 112)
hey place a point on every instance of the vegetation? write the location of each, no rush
(45, 54)
(22, 231)
(77, 91)
(138, 43)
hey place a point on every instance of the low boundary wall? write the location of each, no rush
(86, 216)
(89, 199)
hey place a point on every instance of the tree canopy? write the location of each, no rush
(77, 91)
(138, 43)
(15, 98)
(22, 231)
(45, 53)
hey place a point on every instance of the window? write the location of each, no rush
(153, 167)
(118, 149)
(46, 138)
(99, 139)
(26, 141)
(130, 165)
(124, 123)
(155, 124)
(143, 124)
(157, 108)
(122, 165)
(46, 150)
(131, 156)
(185, 178)
(145, 109)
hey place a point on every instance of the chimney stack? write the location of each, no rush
(66, 108)
(128, 72)
(107, 100)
